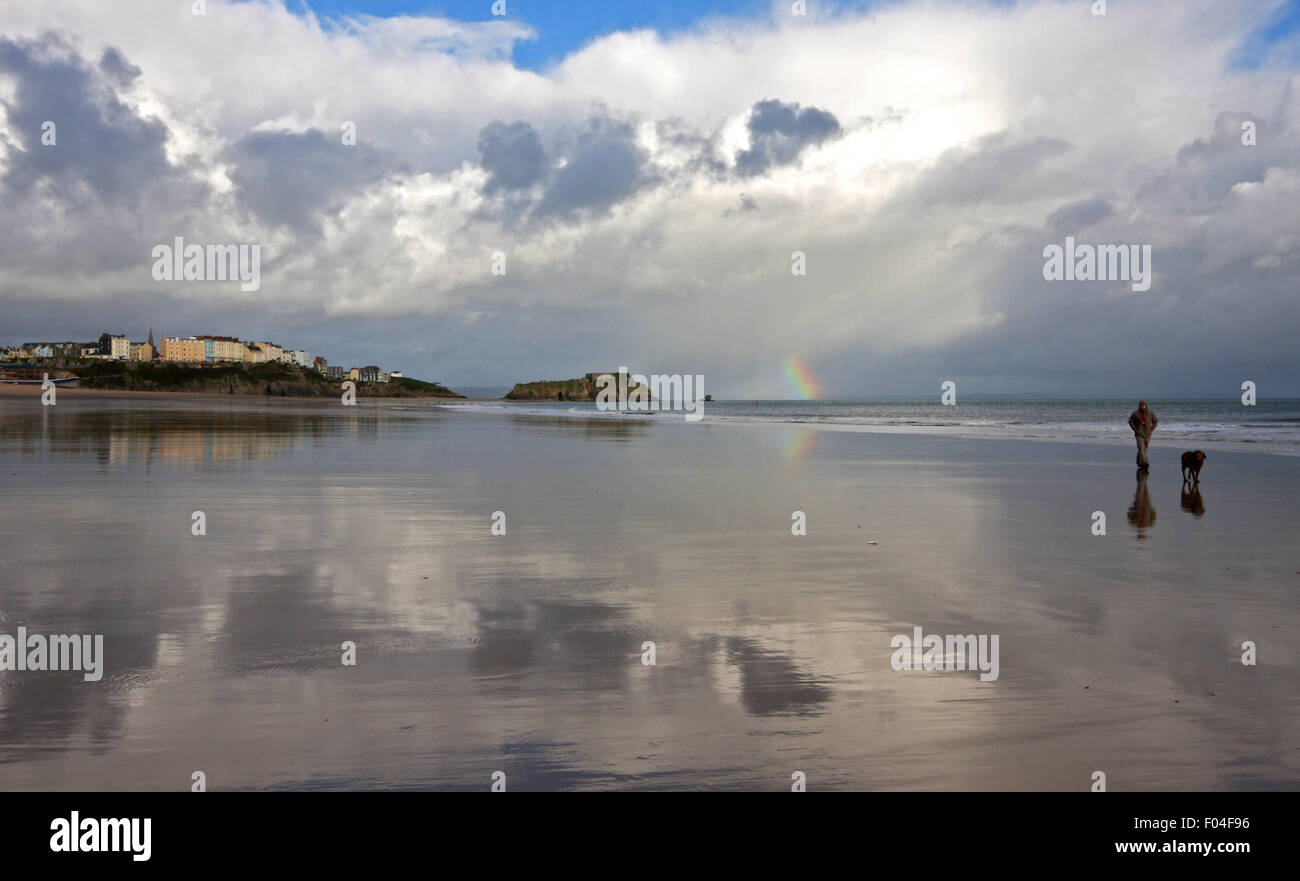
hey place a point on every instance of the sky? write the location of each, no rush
(643, 178)
(559, 28)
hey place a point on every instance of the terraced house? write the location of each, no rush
(191, 350)
(223, 348)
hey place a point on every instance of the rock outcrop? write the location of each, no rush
(582, 389)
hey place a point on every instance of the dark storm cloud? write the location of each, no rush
(289, 179)
(995, 168)
(1202, 179)
(604, 167)
(103, 192)
(1227, 138)
(102, 147)
(1217, 283)
(1078, 215)
(1207, 169)
(113, 64)
(512, 155)
(779, 132)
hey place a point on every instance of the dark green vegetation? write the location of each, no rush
(284, 380)
(558, 390)
(415, 387)
(583, 389)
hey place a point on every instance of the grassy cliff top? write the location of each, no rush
(582, 389)
(286, 380)
(436, 389)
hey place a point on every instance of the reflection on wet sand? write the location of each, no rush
(621, 427)
(771, 684)
(523, 652)
(1142, 514)
(1190, 498)
(799, 443)
(168, 434)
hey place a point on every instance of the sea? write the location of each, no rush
(1267, 426)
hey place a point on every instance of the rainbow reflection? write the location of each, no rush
(798, 442)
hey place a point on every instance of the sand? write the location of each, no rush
(523, 652)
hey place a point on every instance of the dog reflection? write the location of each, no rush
(1191, 499)
(1141, 514)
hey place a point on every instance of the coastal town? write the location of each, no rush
(192, 351)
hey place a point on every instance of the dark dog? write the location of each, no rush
(1192, 462)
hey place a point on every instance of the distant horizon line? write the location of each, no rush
(892, 397)
(1030, 397)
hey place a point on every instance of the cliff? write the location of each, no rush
(282, 380)
(583, 389)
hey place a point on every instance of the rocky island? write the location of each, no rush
(582, 389)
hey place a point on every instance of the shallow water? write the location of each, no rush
(522, 653)
(1269, 425)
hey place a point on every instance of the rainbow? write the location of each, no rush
(801, 378)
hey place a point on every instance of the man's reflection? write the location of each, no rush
(1140, 513)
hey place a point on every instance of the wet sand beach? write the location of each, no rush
(523, 652)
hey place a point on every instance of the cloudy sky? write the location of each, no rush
(648, 174)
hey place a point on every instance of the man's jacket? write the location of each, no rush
(1135, 423)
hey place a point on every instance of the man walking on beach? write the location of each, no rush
(1143, 422)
